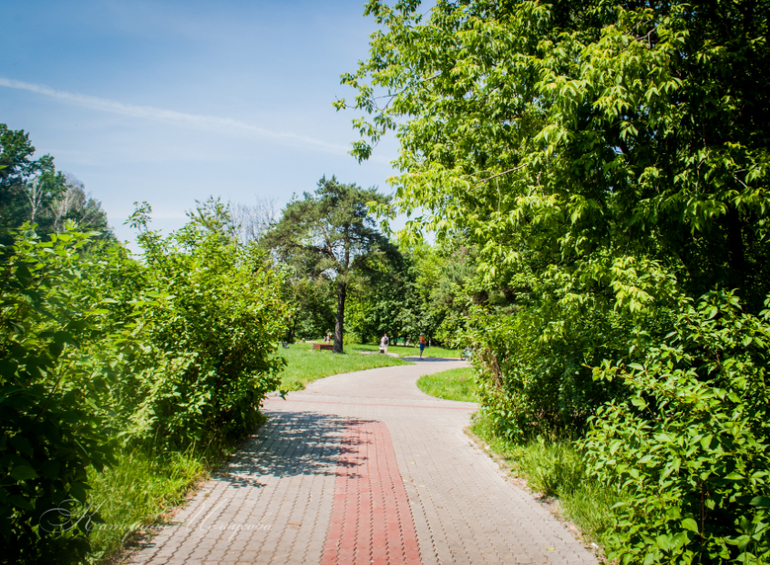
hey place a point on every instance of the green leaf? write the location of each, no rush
(22, 445)
(690, 524)
(23, 473)
(20, 502)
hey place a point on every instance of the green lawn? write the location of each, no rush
(404, 351)
(454, 384)
(306, 364)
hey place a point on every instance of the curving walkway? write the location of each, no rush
(364, 468)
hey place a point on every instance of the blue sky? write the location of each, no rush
(173, 101)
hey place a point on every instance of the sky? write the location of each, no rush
(171, 102)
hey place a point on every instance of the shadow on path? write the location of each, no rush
(291, 444)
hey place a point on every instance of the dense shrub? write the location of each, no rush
(98, 350)
(534, 365)
(50, 433)
(208, 324)
(690, 443)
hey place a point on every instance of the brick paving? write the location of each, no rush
(363, 468)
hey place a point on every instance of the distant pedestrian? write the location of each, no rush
(384, 342)
(422, 344)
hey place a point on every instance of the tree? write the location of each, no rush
(253, 220)
(19, 191)
(31, 190)
(568, 137)
(75, 205)
(610, 160)
(331, 233)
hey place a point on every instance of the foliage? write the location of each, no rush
(314, 305)
(535, 362)
(690, 443)
(556, 134)
(601, 156)
(210, 320)
(330, 233)
(48, 383)
(610, 162)
(98, 351)
(421, 289)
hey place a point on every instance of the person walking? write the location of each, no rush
(384, 344)
(422, 344)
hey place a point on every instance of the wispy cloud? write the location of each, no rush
(225, 125)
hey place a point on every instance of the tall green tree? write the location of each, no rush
(18, 172)
(569, 137)
(31, 190)
(610, 160)
(330, 233)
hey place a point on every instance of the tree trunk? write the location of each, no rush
(736, 253)
(292, 329)
(342, 289)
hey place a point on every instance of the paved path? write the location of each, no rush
(363, 468)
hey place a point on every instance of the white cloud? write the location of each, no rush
(215, 123)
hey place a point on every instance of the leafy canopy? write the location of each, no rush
(330, 233)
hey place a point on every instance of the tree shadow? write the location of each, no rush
(294, 443)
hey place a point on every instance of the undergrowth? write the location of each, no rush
(135, 497)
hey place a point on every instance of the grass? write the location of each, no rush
(555, 468)
(454, 384)
(136, 494)
(409, 351)
(306, 364)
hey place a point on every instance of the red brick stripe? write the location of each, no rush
(371, 521)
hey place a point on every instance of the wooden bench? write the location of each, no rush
(323, 346)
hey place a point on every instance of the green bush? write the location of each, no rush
(690, 444)
(50, 433)
(99, 351)
(209, 321)
(533, 367)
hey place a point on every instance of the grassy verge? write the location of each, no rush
(454, 384)
(409, 351)
(135, 496)
(555, 469)
(306, 364)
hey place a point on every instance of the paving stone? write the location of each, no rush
(364, 468)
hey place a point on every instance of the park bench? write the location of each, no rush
(323, 346)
